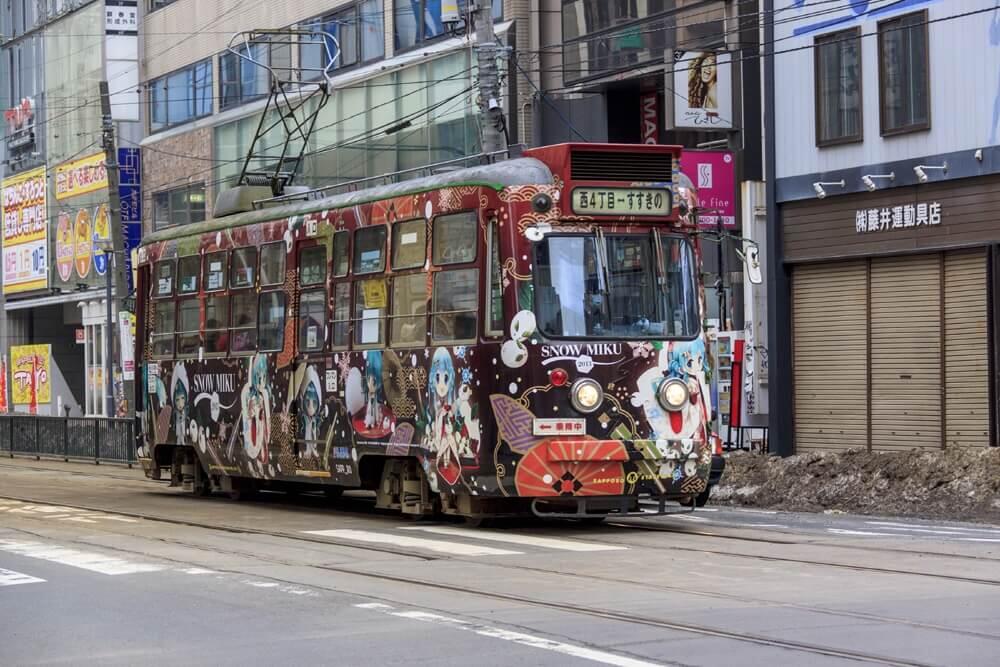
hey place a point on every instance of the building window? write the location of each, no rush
(417, 21)
(242, 80)
(838, 88)
(159, 4)
(180, 206)
(359, 30)
(182, 96)
(904, 78)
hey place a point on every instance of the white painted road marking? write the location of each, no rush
(451, 548)
(942, 529)
(514, 538)
(12, 578)
(522, 638)
(844, 531)
(84, 560)
(60, 513)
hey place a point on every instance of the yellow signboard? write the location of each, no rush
(31, 373)
(25, 232)
(81, 176)
(375, 293)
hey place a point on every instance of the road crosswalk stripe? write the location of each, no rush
(438, 546)
(85, 560)
(12, 578)
(515, 538)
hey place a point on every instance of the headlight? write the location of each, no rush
(673, 394)
(586, 395)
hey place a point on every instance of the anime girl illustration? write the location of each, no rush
(310, 411)
(255, 400)
(687, 362)
(372, 417)
(179, 402)
(442, 436)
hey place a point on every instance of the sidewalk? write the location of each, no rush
(119, 470)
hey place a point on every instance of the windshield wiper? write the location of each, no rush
(603, 275)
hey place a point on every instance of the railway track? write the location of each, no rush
(606, 614)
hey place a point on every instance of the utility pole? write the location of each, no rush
(486, 47)
(116, 260)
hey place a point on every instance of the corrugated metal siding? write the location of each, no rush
(966, 350)
(906, 352)
(829, 313)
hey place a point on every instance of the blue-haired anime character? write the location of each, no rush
(180, 402)
(373, 390)
(441, 392)
(255, 400)
(310, 410)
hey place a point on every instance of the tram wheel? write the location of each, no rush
(242, 491)
(333, 492)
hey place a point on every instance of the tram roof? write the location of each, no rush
(521, 171)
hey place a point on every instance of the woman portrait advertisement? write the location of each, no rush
(703, 82)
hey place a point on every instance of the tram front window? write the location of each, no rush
(616, 286)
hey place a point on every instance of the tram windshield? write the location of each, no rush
(623, 286)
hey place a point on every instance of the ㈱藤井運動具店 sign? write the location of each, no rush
(25, 232)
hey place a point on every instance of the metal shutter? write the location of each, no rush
(829, 316)
(967, 415)
(906, 352)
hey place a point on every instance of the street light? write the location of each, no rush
(106, 247)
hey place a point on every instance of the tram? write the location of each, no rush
(511, 338)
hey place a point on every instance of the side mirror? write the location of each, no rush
(751, 257)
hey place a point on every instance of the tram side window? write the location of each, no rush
(164, 279)
(272, 264)
(495, 301)
(188, 270)
(312, 265)
(215, 271)
(243, 268)
(409, 311)
(243, 329)
(163, 329)
(312, 314)
(369, 312)
(455, 238)
(369, 250)
(188, 327)
(216, 319)
(271, 321)
(341, 315)
(409, 244)
(341, 260)
(453, 312)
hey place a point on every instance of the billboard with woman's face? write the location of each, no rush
(703, 90)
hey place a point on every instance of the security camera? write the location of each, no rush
(869, 183)
(921, 174)
(820, 192)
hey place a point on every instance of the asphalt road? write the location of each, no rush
(99, 566)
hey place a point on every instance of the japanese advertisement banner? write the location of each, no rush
(713, 173)
(30, 370)
(81, 176)
(25, 232)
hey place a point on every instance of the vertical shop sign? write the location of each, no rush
(130, 192)
(649, 105)
(31, 369)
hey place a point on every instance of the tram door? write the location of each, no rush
(307, 390)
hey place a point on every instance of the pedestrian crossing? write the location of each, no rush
(84, 560)
(465, 542)
(12, 578)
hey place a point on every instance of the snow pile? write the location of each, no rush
(953, 484)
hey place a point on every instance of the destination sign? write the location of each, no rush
(622, 201)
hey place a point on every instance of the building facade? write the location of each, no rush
(887, 169)
(203, 103)
(53, 57)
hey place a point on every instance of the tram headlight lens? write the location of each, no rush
(586, 395)
(673, 394)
